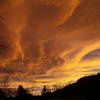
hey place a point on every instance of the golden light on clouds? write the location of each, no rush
(46, 42)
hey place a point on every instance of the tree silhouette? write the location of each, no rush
(45, 90)
(21, 91)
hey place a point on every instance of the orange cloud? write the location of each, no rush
(53, 12)
(46, 41)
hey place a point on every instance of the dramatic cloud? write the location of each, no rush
(48, 41)
(51, 12)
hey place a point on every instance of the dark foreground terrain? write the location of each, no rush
(86, 88)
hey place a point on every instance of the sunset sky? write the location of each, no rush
(47, 42)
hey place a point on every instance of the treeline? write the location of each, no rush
(21, 94)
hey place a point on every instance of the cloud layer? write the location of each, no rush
(48, 42)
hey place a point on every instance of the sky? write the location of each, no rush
(48, 42)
